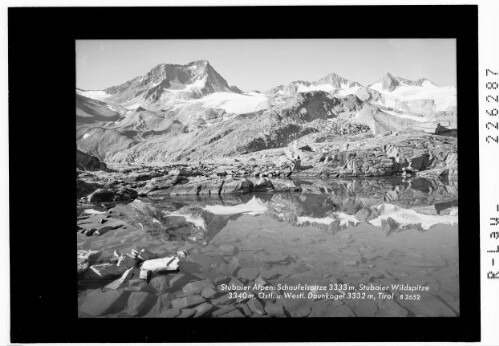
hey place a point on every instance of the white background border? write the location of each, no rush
(489, 153)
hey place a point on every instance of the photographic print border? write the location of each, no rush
(41, 154)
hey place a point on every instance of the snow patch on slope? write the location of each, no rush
(321, 87)
(346, 90)
(234, 103)
(444, 97)
(407, 116)
(94, 94)
(198, 84)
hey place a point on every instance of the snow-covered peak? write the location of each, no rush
(398, 91)
(426, 83)
(201, 62)
(331, 83)
(334, 80)
(172, 81)
(389, 83)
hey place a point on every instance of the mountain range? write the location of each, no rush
(190, 112)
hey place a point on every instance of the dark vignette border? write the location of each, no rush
(42, 181)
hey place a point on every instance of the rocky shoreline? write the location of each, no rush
(406, 156)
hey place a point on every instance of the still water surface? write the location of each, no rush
(329, 250)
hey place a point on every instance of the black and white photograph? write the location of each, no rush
(251, 173)
(267, 178)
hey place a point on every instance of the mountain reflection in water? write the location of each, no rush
(377, 233)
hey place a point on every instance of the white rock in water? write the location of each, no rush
(160, 264)
(144, 274)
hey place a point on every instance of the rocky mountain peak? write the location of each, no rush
(422, 81)
(389, 82)
(388, 75)
(200, 62)
(333, 79)
(194, 79)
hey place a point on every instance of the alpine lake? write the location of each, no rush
(339, 248)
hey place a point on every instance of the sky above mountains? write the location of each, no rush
(264, 64)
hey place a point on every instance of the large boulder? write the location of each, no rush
(88, 162)
(421, 162)
(196, 186)
(263, 185)
(121, 194)
(236, 186)
(101, 195)
(124, 194)
(161, 183)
